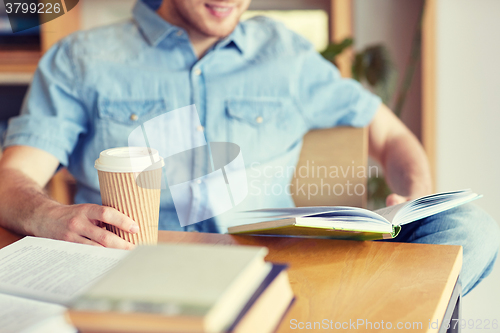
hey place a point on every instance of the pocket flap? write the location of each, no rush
(254, 111)
(130, 112)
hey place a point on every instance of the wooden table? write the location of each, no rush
(346, 283)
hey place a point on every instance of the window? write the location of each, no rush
(311, 23)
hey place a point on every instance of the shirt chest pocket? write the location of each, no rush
(255, 112)
(118, 118)
(265, 127)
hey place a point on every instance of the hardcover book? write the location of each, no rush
(350, 222)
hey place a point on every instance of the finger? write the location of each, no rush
(391, 200)
(76, 238)
(112, 216)
(105, 238)
(394, 199)
(85, 240)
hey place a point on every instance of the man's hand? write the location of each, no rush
(27, 210)
(84, 224)
(395, 199)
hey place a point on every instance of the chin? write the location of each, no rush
(218, 31)
(213, 18)
(216, 27)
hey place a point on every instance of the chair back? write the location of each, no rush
(332, 169)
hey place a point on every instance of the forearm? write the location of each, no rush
(405, 163)
(406, 166)
(23, 202)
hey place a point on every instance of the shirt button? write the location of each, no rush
(134, 117)
(197, 71)
(198, 181)
(179, 33)
(259, 120)
(200, 128)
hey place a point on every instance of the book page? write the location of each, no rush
(320, 211)
(390, 212)
(53, 271)
(431, 205)
(29, 316)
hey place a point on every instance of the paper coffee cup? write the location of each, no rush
(130, 181)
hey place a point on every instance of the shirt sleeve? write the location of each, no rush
(52, 116)
(328, 100)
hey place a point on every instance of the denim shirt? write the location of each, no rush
(262, 87)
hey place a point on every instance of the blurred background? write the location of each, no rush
(432, 61)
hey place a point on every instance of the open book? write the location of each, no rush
(39, 277)
(350, 222)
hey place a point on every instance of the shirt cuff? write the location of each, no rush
(363, 110)
(35, 141)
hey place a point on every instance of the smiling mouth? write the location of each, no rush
(219, 11)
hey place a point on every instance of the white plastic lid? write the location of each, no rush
(129, 159)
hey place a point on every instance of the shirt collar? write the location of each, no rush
(237, 37)
(155, 28)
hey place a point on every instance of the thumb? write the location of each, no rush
(394, 199)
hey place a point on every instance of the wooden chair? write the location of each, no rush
(332, 169)
(62, 187)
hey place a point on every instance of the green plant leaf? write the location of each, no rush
(334, 49)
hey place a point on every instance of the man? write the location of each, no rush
(254, 83)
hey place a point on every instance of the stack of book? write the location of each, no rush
(187, 288)
(164, 288)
